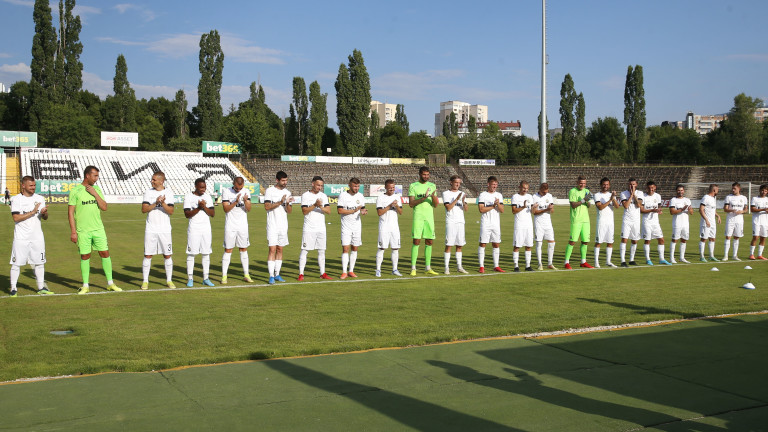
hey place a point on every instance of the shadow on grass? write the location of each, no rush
(642, 310)
(414, 413)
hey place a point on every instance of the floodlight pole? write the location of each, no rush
(543, 125)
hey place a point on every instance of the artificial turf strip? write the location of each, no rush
(586, 382)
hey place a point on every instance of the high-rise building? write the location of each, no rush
(462, 110)
(386, 112)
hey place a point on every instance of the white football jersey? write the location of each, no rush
(523, 218)
(679, 204)
(237, 218)
(456, 214)
(314, 221)
(543, 202)
(633, 211)
(651, 202)
(277, 218)
(158, 220)
(735, 202)
(348, 202)
(761, 216)
(201, 220)
(490, 219)
(607, 212)
(388, 221)
(710, 208)
(29, 228)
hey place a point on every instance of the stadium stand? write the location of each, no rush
(128, 173)
(300, 173)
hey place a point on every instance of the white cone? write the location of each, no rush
(748, 285)
(715, 269)
(747, 268)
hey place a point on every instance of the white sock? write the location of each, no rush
(550, 252)
(458, 260)
(597, 256)
(496, 255)
(527, 258)
(244, 261)
(538, 252)
(672, 251)
(712, 249)
(395, 258)
(727, 247)
(344, 262)
(760, 250)
(352, 261)
(168, 269)
(735, 248)
(379, 259)
(632, 251)
(190, 266)
(647, 249)
(515, 257)
(701, 248)
(40, 276)
(206, 265)
(608, 253)
(145, 265)
(682, 250)
(321, 260)
(661, 251)
(481, 256)
(447, 260)
(302, 261)
(623, 251)
(278, 266)
(15, 272)
(225, 262)
(271, 268)
(751, 250)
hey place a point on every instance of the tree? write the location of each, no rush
(670, 144)
(607, 140)
(211, 68)
(180, 114)
(301, 107)
(353, 96)
(119, 110)
(472, 125)
(318, 119)
(538, 126)
(17, 103)
(291, 132)
(573, 145)
(42, 65)
(68, 68)
(634, 113)
(374, 138)
(401, 118)
(394, 140)
(744, 131)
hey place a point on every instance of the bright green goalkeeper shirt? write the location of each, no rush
(87, 212)
(579, 214)
(418, 190)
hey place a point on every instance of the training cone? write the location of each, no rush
(748, 285)
(747, 268)
(715, 269)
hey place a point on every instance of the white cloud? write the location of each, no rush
(4, 55)
(413, 86)
(615, 82)
(147, 14)
(188, 45)
(749, 57)
(28, 3)
(95, 84)
(20, 69)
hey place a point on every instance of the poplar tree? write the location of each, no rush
(120, 109)
(634, 113)
(211, 68)
(42, 66)
(70, 49)
(353, 95)
(573, 144)
(318, 119)
(401, 118)
(301, 109)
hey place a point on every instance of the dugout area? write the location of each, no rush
(703, 375)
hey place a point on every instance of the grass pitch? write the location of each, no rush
(158, 329)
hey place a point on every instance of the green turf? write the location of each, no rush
(161, 329)
(589, 382)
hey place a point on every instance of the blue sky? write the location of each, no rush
(696, 54)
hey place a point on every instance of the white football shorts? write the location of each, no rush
(234, 239)
(734, 228)
(707, 232)
(199, 242)
(545, 232)
(454, 234)
(351, 237)
(277, 237)
(30, 251)
(389, 239)
(522, 237)
(313, 241)
(605, 232)
(158, 244)
(652, 231)
(630, 229)
(681, 231)
(490, 235)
